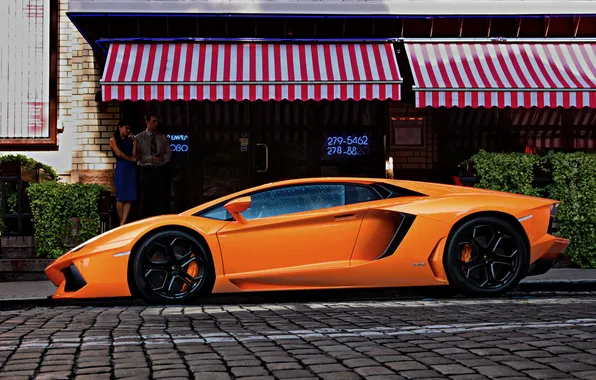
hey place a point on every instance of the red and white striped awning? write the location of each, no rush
(505, 74)
(250, 71)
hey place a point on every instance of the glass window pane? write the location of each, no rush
(289, 200)
(218, 213)
(358, 194)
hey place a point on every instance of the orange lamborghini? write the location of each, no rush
(321, 233)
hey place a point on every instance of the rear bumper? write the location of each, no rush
(545, 253)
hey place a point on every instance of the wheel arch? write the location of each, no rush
(148, 235)
(497, 214)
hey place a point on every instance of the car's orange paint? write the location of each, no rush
(328, 248)
(278, 243)
(376, 231)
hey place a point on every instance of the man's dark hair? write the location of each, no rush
(150, 115)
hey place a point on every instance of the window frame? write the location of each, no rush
(51, 142)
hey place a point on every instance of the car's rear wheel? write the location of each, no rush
(485, 256)
(172, 267)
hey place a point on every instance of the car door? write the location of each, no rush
(294, 227)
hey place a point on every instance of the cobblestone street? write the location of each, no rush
(506, 338)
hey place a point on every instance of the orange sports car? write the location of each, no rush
(321, 233)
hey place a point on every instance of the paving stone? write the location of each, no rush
(53, 375)
(533, 354)
(244, 363)
(569, 366)
(587, 375)
(426, 374)
(488, 351)
(340, 376)
(372, 371)
(169, 374)
(434, 360)
(98, 376)
(85, 371)
(545, 374)
(450, 351)
(406, 366)
(355, 363)
(316, 359)
(249, 371)
(12, 366)
(291, 373)
(212, 376)
(326, 368)
(17, 374)
(558, 350)
(131, 372)
(524, 364)
(55, 368)
(496, 371)
(452, 369)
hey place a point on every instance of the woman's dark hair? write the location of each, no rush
(117, 137)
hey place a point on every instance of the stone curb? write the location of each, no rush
(559, 286)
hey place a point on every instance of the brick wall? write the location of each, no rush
(415, 158)
(92, 123)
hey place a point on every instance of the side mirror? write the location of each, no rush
(238, 206)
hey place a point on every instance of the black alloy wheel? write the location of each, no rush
(172, 267)
(485, 256)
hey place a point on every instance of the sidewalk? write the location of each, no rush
(555, 279)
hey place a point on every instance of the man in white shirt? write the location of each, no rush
(153, 155)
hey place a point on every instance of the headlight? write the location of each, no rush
(553, 225)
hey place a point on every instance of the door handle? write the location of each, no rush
(266, 158)
(345, 217)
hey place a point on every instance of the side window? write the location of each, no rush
(218, 213)
(289, 200)
(359, 194)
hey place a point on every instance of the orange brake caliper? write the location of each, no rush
(466, 254)
(193, 270)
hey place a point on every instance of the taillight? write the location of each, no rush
(553, 226)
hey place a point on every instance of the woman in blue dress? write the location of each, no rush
(124, 149)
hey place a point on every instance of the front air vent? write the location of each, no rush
(74, 279)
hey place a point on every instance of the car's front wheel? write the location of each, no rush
(485, 256)
(172, 266)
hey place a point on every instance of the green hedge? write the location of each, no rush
(573, 183)
(57, 209)
(30, 162)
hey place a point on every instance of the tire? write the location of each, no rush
(175, 275)
(485, 257)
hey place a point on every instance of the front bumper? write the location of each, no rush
(95, 275)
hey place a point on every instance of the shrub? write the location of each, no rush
(57, 209)
(573, 183)
(30, 162)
